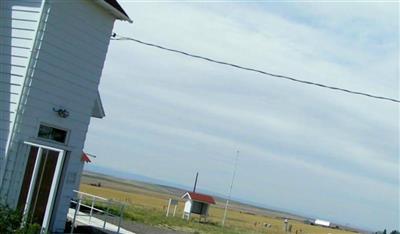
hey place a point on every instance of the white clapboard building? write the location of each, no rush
(51, 58)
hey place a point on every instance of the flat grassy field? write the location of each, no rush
(147, 204)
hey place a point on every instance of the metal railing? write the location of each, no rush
(92, 202)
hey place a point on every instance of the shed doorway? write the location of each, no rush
(40, 182)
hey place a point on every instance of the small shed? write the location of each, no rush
(196, 203)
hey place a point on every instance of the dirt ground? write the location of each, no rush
(140, 228)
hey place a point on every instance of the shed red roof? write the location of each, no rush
(199, 197)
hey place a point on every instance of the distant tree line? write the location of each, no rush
(385, 232)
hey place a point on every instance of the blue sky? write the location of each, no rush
(304, 149)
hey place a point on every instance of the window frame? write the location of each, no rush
(67, 131)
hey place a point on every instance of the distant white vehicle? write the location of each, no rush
(322, 223)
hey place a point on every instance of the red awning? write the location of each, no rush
(85, 158)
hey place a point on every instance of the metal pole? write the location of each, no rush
(74, 219)
(195, 182)
(121, 216)
(225, 211)
(91, 209)
(106, 214)
(77, 207)
(230, 189)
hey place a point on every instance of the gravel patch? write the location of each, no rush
(140, 228)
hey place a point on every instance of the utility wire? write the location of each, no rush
(121, 38)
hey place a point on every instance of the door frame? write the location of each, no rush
(54, 183)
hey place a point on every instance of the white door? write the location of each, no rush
(39, 186)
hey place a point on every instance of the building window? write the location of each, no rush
(54, 134)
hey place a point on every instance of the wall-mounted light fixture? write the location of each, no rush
(63, 113)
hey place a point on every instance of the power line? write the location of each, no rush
(121, 38)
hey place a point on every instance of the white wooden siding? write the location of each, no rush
(18, 25)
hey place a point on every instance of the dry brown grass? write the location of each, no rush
(154, 201)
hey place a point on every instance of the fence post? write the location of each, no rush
(174, 211)
(169, 205)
